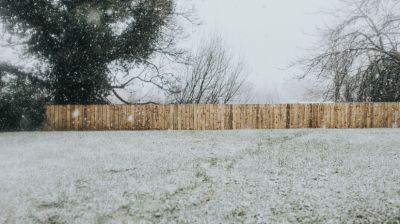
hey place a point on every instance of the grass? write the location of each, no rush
(280, 176)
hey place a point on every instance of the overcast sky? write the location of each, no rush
(269, 34)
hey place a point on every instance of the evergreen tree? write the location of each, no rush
(79, 39)
(381, 81)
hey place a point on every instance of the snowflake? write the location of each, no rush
(94, 17)
(109, 12)
(75, 114)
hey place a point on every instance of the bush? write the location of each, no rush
(22, 102)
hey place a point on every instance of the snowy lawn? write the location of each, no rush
(283, 176)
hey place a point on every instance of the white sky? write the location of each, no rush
(269, 34)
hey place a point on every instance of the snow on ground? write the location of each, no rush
(282, 176)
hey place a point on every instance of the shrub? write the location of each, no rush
(22, 102)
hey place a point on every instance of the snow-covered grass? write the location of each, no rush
(282, 176)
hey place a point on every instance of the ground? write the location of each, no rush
(281, 176)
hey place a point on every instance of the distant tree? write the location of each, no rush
(359, 59)
(80, 39)
(212, 75)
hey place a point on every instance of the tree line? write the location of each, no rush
(91, 52)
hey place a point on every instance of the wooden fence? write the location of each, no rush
(222, 117)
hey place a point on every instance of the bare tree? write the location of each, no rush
(155, 72)
(367, 34)
(212, 76)
(128, 78)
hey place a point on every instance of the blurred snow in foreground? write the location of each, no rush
(300, 176)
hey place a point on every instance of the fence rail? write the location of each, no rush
(222, 117)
